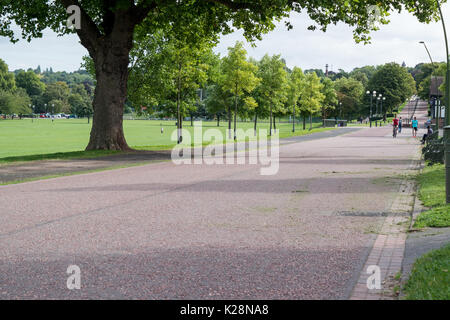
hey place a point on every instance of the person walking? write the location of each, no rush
(400, 123)
(415, 125)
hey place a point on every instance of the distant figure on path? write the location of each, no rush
(415, 125)
(400, 123)
(426, 135)
(395, 126)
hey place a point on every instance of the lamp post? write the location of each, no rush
(384, 99)
(447, 111)
(372, 95)
(378, 99)
(435, 84)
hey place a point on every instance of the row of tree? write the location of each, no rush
(171, 78)
(24, 92)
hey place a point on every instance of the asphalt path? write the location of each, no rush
(166, 231)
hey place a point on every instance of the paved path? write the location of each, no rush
(206, 232)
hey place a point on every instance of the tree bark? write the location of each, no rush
(229, 121)
(310, 121)
(271, 117)
(218, 120)
(304, 122)
(111, 67)
(256, 121)
(235, 113)
(275, 124)
(179, 124)
(293, 118)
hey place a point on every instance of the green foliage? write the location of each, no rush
(238, 74)
(312, 96)
(30, 82)
(272, 90)
(7, 82)
(218, 100)
(56, 97)
(432, 193)
(330, 97)
(430, 276)
(296, 86)
(15, 102)
(350, 93)
(395, 83)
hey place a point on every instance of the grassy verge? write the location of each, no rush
(431, 183)
(430, 276)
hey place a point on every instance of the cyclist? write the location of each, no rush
(395, 125)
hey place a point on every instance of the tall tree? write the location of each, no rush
(394, 82)
(218, 101)
(107, 29)
(7, 81)
(295, 89)
(350, 94)
(330, 97)
(273, 85)
(312, 97)
(238, 77)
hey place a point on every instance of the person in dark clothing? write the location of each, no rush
(426, 135)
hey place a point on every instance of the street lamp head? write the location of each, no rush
(422, 42)
(368, 92)
(374, 92)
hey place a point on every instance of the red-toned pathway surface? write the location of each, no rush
(206, 232)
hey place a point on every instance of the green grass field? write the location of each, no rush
(432, 193)
(430, 276)
(22, 140)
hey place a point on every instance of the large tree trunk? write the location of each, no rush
(111, 64)
(229, 121)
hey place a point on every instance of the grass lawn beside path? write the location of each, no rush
(431, 183)
(430, 276)
(23, 140)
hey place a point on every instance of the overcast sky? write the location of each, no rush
(396, 42)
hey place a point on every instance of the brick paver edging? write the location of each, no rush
(388, 249)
